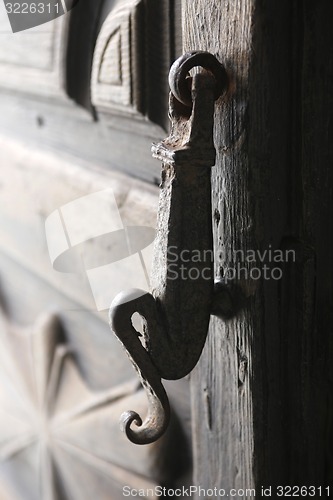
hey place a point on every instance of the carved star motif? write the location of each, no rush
(59, 440)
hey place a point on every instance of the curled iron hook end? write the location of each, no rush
(145, 432)
(122, 309)
(126, 420)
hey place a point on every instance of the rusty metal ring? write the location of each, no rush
(181, 67)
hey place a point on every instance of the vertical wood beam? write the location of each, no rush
(221, 391)
(261, 394)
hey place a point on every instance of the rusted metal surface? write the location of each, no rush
(177, 312)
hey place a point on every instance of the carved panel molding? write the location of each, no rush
(33, 61)
(133, 53)
(112, 77)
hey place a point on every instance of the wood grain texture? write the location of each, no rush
(222, 401)
(262, 406)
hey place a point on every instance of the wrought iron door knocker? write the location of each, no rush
(177, 312)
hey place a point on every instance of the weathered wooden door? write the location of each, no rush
(261, 395)
(82, 98)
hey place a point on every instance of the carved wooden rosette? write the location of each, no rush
(57, 438)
